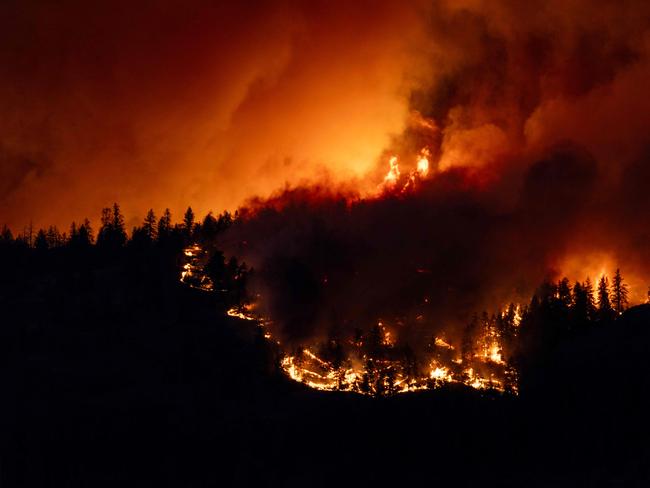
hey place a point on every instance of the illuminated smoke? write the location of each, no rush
(533, 117)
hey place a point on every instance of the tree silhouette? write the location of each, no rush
(40, 243)
(86, 237)
(149, 226)
(580, 314)
(188, 222)
(605, 310)
(28, 235)
(54, 237)
(112, 234)
(591, 302)
(564, 293)
(80, 237)
(619, 293)
(6, 235)
(143, 237)
(216, 270)
(209, 227)
(225, 220)
(165, 226)
(74, 232)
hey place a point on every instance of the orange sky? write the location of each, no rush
(174, 103)
(192, 103)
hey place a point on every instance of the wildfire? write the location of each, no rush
(442, 343)
(423, 163)
(192, 273)
(233, 312)
(394, 176)
(374, 364)
(440, 373)
(393, 173)
(385, 374)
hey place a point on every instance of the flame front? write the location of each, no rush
(374, 364)
(423, 163)
(393, 174)
(389, 373)
(395, 181)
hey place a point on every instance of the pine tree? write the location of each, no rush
(118, 226)
(149, 226)
(112, 233)
(5, 235)
(54, 237)
(40, 243)
(188, 222)
(225, 220)
(579, 315)
(165, 226)
(209, 228)
(28, 235)
(564, 293)
(619, 293)
(86, 237)
(605, 311)
(588, 288)
(74, 232)
(80, 236)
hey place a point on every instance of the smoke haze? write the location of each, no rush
(535, 116)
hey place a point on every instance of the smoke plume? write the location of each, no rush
(533, 115)
(534, 118)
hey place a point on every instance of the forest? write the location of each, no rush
(514, 342)
(113, 365)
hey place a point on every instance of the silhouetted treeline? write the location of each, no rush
(151, 252)
(117, 374)
(561, 313)
(112, 233)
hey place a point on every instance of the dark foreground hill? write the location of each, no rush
(116, 375)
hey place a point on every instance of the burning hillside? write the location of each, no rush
(375, 362)
(444, 202)
(381, 293)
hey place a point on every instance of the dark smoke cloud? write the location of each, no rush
(444, 252)
(536, 120)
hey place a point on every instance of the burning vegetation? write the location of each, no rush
(377, 362)
(403, 349)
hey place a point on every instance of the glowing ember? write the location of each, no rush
(193, 274)
(393, 173)
(442, 343)
(440, 373)
(394, 179)
(423, 163)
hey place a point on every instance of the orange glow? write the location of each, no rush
(423, 163)
(393, 173)
(578, 266)
(309, 368)
(223, 102)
